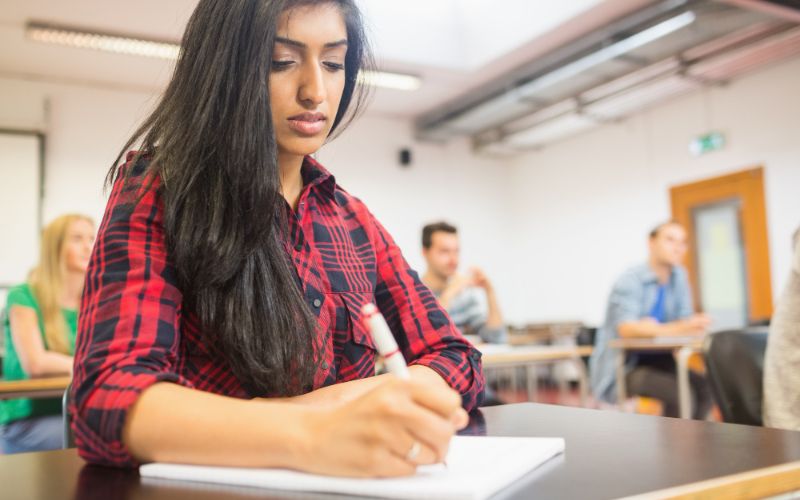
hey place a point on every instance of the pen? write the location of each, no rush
(387, 346)
(384, 341)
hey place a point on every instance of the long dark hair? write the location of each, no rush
(212, 143)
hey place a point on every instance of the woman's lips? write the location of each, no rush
(308, 124)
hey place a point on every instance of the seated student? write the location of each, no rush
(651, 300)
(781, 373)
(40, 333)
(221, 322)
(470, 300)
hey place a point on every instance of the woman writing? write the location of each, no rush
(40, 333)
(221, 320)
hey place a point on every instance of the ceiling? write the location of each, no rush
(455, 45)
(662, 50)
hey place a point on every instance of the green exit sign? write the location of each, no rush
(707, 143)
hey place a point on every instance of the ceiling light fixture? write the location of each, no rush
(518, 100)
(551, 130)
(389, 80)
(109, 42)
(163, 49)
(617, 49)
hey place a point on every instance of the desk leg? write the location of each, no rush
(684, 395)
(532, 384)
(583, 381)
(622, 393)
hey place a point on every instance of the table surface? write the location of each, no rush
(660, 344)
(608, 455)
(493, 354)
(47, 386)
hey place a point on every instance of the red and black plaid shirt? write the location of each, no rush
(133, 331)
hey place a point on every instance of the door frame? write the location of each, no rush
(747, 186)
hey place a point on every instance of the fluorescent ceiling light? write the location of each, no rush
(647, 74)
(734, 63)
(84, 39)
(136, 46)
(543, 115)
(614, 50)
(551, 131)
(486, 114)
(387, 80)
(640, 97)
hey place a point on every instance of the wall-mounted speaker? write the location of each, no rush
(405, 157)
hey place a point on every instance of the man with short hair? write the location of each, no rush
(648, 301)
(470, 300)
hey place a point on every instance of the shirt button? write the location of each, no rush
(325, 365)
(317, 302)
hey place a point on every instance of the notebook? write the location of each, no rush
(477, 467)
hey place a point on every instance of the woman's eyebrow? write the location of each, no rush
(301, 45)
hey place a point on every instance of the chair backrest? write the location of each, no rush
(735, 367)
(68, 438)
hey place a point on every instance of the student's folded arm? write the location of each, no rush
(424, 331)
(492, 330)
(129, 323)
(496, 335)
(640, 329)
(35, 359)
(624, 308)
(650, 328)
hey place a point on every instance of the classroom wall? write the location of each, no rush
(444, 182)
(584, 205)
(86, 126)
(552, 228)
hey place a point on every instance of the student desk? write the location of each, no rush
(497, 356)
(683, 347)
(48, 387)
(608, 454)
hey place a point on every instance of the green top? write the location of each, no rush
(16, 409)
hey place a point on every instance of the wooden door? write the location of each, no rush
(702, 207)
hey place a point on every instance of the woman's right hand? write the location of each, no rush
(373, 435)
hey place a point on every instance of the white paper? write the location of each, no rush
(477, 467)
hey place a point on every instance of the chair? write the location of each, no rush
(735, 369)
(68, 439)
(586, 336)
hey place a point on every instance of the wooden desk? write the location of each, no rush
(542, 332)
(501, 356)
(608, 455)
(683, 348)
(34, 388)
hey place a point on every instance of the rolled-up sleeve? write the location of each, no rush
(128, 330)
(624, 305)
(424, 331)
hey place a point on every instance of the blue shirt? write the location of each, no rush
(635, 296)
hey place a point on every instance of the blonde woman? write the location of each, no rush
(40, 332)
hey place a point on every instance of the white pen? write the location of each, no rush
(384, 341)
(387, 347)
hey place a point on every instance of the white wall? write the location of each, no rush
(84, 126)
(553, 229)
(444, 182)
(585, 204)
